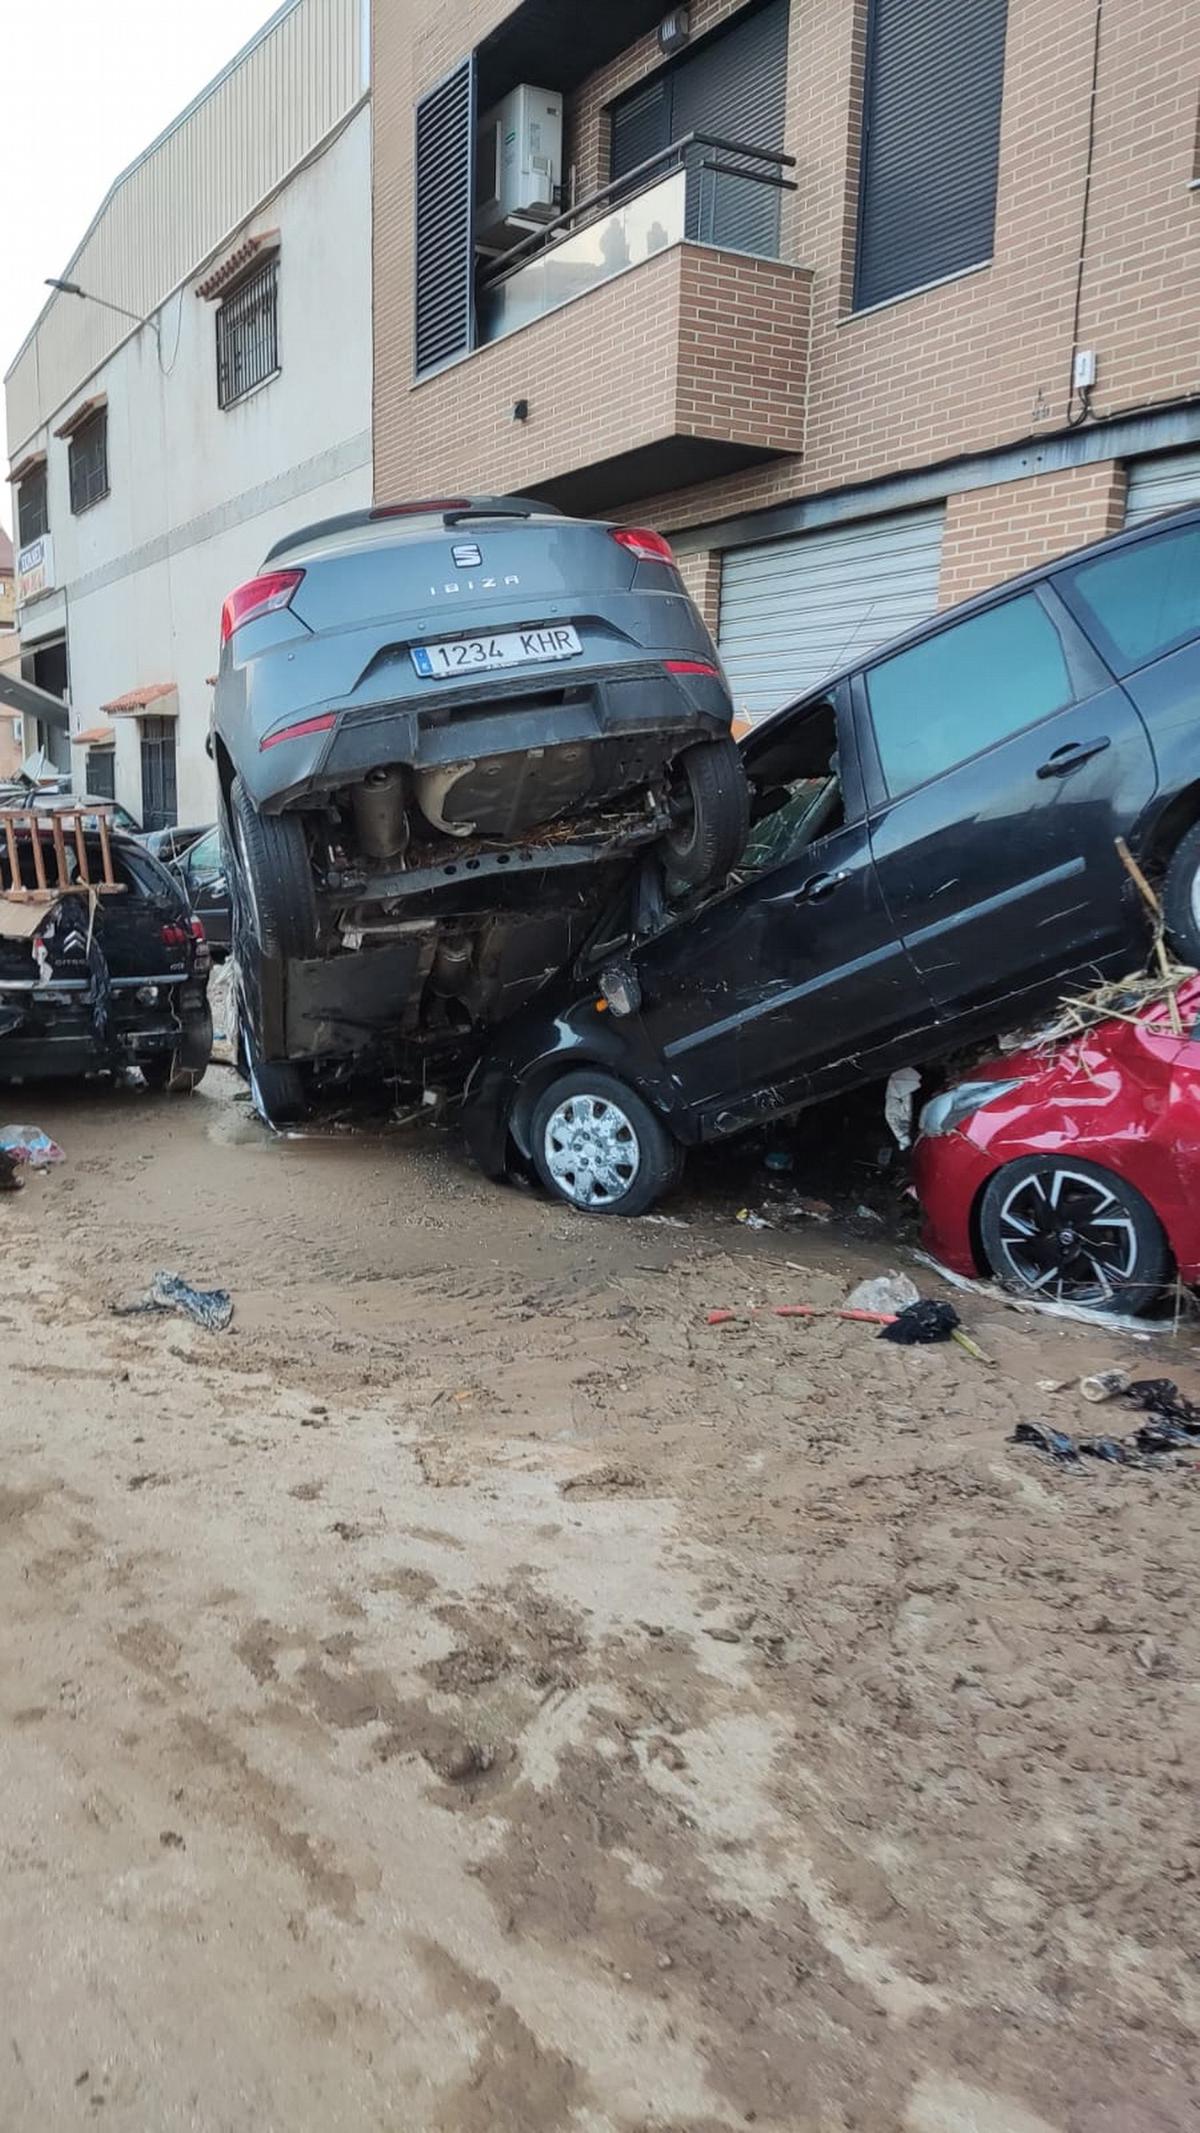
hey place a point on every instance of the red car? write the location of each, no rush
(1073, 1173)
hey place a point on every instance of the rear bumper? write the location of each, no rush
(51, 1031)
(640, 716)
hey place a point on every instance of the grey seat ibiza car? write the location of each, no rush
(448, 735)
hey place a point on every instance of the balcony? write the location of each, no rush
(646, 340)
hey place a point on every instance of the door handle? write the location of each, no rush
(818, 887)
(1069, 757)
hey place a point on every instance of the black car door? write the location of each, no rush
(1003, 762)
(768, 992)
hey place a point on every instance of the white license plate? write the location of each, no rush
(474, 655)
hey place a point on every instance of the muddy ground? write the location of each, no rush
(473, 1694)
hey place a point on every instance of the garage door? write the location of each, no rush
(793, 612)
(1160, 484)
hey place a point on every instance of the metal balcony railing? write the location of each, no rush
(703, 187)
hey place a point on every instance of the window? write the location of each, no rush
(966, 690)
(159, 803)
(798, 797)
(733, 84)
(100, 780)
(203, 862)
(1141, 601)
(33, 518)
(931, 143)
(87, 461)
(248, 335)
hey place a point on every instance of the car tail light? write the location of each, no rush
(321, 724)
(259, 596)
(198, 933)
(691, 666)
(648, 547)
(174, 936)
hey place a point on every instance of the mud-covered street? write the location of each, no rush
(473, 1694)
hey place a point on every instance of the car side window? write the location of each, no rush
(972, 686)
(203, 862)
(1140, 602)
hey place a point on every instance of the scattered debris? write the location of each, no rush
(890, 1293)
(29, 1145)
(1173, 1426)
(922, 1324)
(1105, 1385)
(749, 1220)
(465, 1759)
(1161, 1396)
(1106, 1321)
(863, 1213)
(869, 1318)
(9, 1181)
(603, 1480)
(667, 1221)
(210, 1308)
(898, 1104)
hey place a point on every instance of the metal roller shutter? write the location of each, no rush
(445, 184)
(1162, 483)
(794, 612)
(735, 85)
(931, 142)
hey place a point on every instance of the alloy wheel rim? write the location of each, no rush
(591, 1151)
(1068, 1238)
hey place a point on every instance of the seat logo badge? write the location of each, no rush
(466, 556)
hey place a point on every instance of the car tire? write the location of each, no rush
(182, 1070)
(1181, 899)
(277, 1086)
(1118, 1237)
(624, 1149)
(710, 837)
(278, 902)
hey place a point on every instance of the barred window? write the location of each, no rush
(248, 335)
(87, 461)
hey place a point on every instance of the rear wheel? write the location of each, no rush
(597, 1146)
(182, 1070)
(279, 905)
(276, 1085)
(1067, 1231)
(713, 823)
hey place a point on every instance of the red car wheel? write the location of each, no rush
(1066, 1231)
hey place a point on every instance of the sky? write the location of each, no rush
(87, 88)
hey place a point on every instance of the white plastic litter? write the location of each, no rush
(885, 1292)
(898, 1104)
(1106, 1321)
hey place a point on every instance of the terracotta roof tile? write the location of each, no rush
(137, 699)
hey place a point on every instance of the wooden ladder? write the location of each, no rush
(51, 834)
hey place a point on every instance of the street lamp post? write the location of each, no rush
(72, 288)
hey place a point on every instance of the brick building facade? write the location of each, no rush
(740, 402)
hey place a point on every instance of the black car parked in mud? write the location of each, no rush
(933, 856)
(95, 980)
(446, 735)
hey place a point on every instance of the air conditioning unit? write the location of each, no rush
(518, 164)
